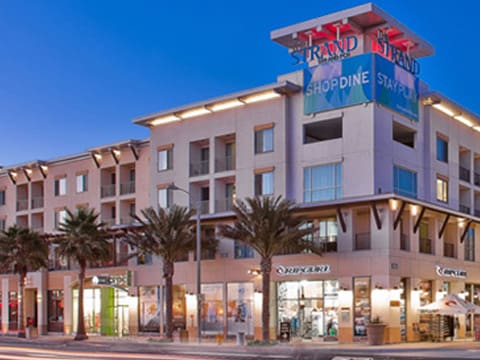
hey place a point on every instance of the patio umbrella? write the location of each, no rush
(451, 305)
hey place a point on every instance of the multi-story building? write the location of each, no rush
(387, 170)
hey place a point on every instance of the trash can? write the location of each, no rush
(241, 338)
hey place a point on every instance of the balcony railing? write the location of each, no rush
(127, 188)
(128, 221)
(449, 250)
(464, 209)
(199, 168)
(404, 242)
(225, 164)
(204, 207)
(425, 246)
(224, 205)
(325, 243)
(22, 204)
(464, 173)
(107, 190)
(37, 202)
(476, 179)
(362, 241)
(109, 222)
(477, 212)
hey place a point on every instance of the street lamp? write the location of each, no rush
(198, 251)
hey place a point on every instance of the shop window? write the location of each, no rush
(322, 131)
(404, 182)
(242, 250)
(469, 245)
(322, 182)
(362, 289)
(264, 183)
(442, 148)
(12, 310)
(442, 189)
(55, 310)
(264, 140)
(149, 309)
(212, 312)
(403, 134)
(240, 297)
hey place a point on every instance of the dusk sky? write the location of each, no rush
(73, 74)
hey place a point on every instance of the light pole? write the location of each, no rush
(198, 252)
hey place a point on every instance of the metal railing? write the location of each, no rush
(425, 246)
(107, 190)
(464, 174)
(199, 168)
(449, 250)
(127, 188)
(464, 209)
(225, 164)
(362, 241)
(476, 179)
(109, 222)
(477, 212)
(224, 205)
(37, 202)
(22, 204)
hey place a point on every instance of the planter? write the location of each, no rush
(376, 334)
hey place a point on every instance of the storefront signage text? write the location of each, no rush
(396, 55)
(302, 269)
(328, 51)
(456, 273)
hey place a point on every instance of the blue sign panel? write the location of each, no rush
(338, 84)
(396, 88)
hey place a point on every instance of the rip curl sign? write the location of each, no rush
(282, 270)
(447, 272)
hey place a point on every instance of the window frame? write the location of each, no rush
(336, 175)
(396, 182)
(441, 152)
(441, 188)
(260, 134)
(59, 189)
(259, 184)
(168, 159)
(168, 197)
(83, 185)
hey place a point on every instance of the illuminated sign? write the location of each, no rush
(302, 269)
(327, 51)
(448, 272)
(396, 55)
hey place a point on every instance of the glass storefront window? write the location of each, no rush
(149, 308)
(240, 308)
(12, 310)
(212, 313)
(55, 310)
(361, 300)
(309, 306)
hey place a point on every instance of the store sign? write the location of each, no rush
(396, 55)
(448, 272)
(302, 269)
(328, 51)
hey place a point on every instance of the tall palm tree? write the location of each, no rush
(268, 225)
(85, 241)
(167, 233)
(22, 250)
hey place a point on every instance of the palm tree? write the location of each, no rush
(85, 241)
(167, 233)
(22, 250)
(268, 225)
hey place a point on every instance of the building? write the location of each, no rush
(386, 169)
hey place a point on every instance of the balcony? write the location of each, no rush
(127, 188)
(128, 221)
(477, 212)
(199, 168)
(328, 243)
(107, 190)
(425, 246)
(362, 241)
(476, 179)
(464, 209)
(37, 202)
(449, 250)
(224, 205)
(226, 163)
(464, 174)
(22, 204)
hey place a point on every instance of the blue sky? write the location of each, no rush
(73, 74)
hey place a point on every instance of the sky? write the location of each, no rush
(75, 73)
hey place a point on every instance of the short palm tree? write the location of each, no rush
(83, 240)
(167, 233)
(22, 250)
(268, 225)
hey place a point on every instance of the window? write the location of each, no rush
(442, 189)
(322, 182)
(442, 149)
(2, 224)
(165, 159)
(264, 184)
(2, 197)
(60, 186)
(243, 251)
(82, 183)
(403, 135)
(264, 140)
(164, 198)
(328, 232)
(59, 217)
(322, 130)
(404, 182)
(470, 245)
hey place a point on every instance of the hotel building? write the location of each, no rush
(386, 169)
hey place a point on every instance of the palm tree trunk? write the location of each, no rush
(81, 333)
(266, 268)
(20, 310)
(168, 274)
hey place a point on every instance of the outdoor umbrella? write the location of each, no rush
(451, 305)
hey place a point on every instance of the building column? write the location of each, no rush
(345, 312)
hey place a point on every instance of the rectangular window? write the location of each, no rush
(264, 184)
(322, 182)
(82, 183)
(470, 245)
(59, 217)
(361, 301)
(442, 189)
(2, 197)
(2, 224)
(404, 182)
(264, 140)
(164, 198)
(328, 232)
(60, 186)
(404, 135)
(442, 149)
(165, 159)
(243, 251)
(322, 131)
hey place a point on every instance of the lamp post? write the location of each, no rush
(198, 252)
